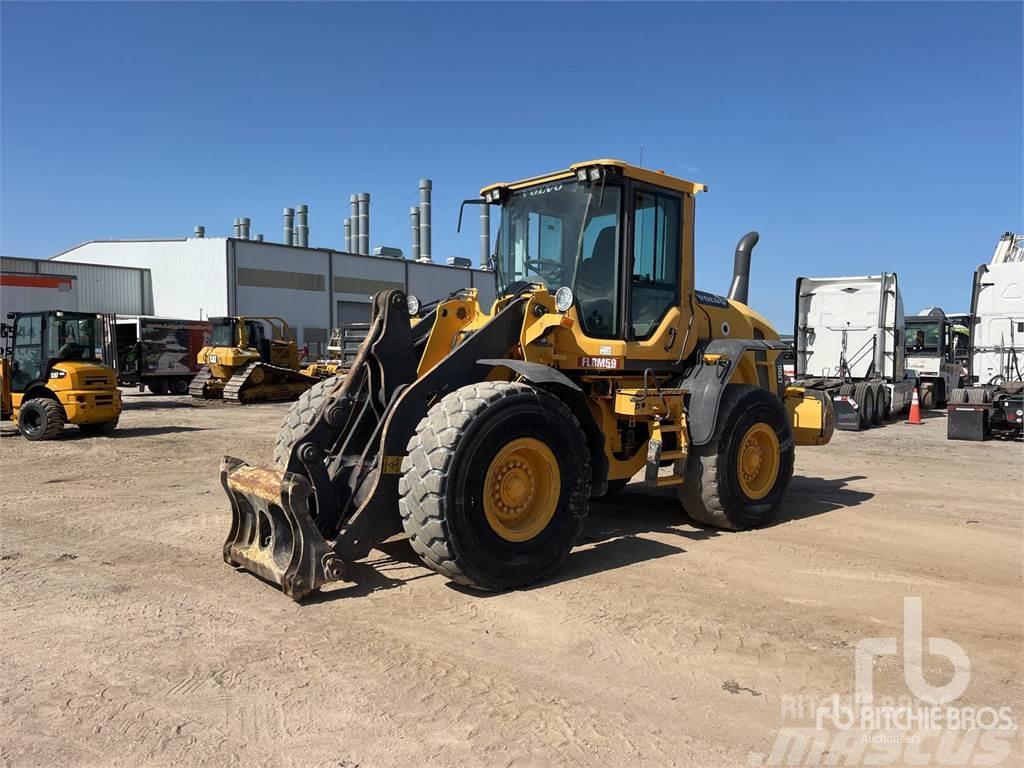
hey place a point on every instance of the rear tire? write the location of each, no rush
(41, 419)
(299, 418)
(158, 386)
(712, 492)
(456, 470)
(878, 415)
(102, 428)
(179, 386)
(865, 397)
(958, 396)
(978, 396)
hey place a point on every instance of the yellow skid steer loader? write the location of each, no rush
(484, 434)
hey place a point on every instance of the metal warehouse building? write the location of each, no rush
(313, 289)
(123, 290)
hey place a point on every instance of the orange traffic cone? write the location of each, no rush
(915, 409)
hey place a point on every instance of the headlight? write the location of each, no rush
(581, 174)
(595, 174)
(563, 298)
(413, 304)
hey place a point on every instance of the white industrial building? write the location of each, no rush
(312, 289)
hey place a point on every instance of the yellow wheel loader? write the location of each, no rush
(51, 375)
(483, 435)
(250, 360)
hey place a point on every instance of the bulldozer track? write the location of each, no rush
(234, 390)
(198, 384)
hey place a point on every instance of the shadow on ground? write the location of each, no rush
(617, 529)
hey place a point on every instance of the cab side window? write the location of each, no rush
(656, 258)
(27, 359)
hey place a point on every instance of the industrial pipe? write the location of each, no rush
(348, 236)
(363, 199)
(244, 224)
(426, 252)
(353, 204)
(236, 228)
(200, 230)
(740, 288)
(414, 218)
(302, 228)
(289, 221)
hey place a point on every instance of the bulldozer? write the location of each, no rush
(250, 360)
(51, 375)
(483, 433)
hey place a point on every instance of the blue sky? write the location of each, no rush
(855, 137)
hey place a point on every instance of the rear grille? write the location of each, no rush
(98, 381)
(104, 399)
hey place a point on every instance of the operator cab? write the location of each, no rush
(611, 233)
(42, 339)
(227, 332)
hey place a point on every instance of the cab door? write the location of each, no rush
(27, 362)
(652, 313)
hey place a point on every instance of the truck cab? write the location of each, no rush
(931, 350)
(53, 374)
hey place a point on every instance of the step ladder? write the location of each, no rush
(655, 454)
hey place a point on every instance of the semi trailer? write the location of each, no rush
(158, 353)
(848, 341)
(994, 400)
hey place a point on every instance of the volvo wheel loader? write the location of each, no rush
(250, 360)
(483, 433)
(51, 375)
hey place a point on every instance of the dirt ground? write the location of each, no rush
(128, 641)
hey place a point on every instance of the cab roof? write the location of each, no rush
(657, 178)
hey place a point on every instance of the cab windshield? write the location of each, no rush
(73, 338)
(565, 233)
(924, 338)
(223, 334)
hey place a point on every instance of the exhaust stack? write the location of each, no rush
(414, 218)
(348, 236)
(740, 288)
(302, 230)
(244, 224)
(200, 230)
(289, 225)
(426, 252)
(485, 234)
(363, 202)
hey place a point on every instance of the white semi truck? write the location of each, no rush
(932, 349)
(848, 340)
(996, 366)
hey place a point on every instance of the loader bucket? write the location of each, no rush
(272, 533)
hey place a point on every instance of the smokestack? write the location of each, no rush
(414, 218)
(363, 199)
(200, 230)
(236, 229)
(259, 238)
(353, 205)
(426, 253)
(289, 221)
(244, 224)
(348, 235)
(302, 225)
(485, 234)
(740, 287)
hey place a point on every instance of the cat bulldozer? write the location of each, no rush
(51, 374)
(483, 433)
(250, 360)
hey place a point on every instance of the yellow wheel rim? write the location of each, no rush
(521, 489)
(757, 463)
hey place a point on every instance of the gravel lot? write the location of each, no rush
(127, 641)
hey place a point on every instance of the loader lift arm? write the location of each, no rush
(338, 496)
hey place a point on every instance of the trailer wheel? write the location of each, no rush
(928, 396)
(846, 390)
(158, 386)
(978, 396)
(865, 397)
(179, 386)
(298, 419)
(495, 485)
(739, 479)
(102, 428)
(958, 396)
(41, 419)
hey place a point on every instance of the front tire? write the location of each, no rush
(179, 386)
(495, 485)
(299, 418)
(41, 419)
(739, 479)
